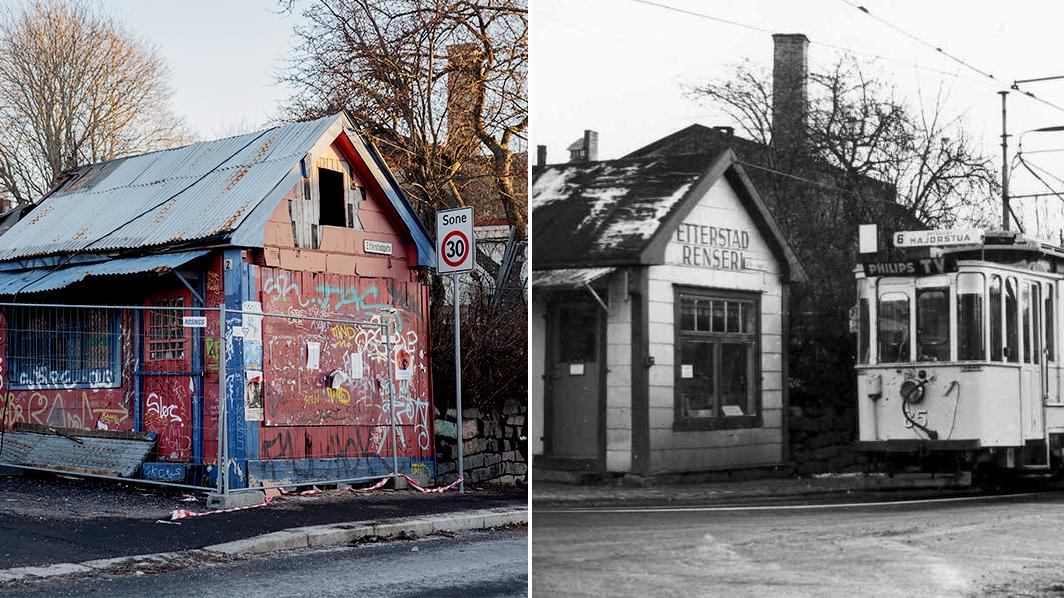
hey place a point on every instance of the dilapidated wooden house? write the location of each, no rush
(278, 270)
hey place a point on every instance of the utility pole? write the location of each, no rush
(1005, 208)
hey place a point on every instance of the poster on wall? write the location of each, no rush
(253, 395)
(252, 335)
(404, 364)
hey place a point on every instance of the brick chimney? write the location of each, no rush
(790, 98)
(541, 155)
(461, 92)
(584, 149)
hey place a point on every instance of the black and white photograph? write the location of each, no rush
(795, 314)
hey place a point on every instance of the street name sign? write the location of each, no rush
(937, 238)
(455, 249)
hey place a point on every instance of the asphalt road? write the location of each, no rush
(47, 519)
(992, 546)
(481, 564)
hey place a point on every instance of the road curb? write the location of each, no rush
(334, 534)
(344, 533)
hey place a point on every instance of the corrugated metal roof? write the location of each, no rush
(193, 192)
(38, 279)
(567, 278)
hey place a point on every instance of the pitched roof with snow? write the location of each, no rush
(612, 213)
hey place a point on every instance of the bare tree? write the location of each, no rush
(857, 125)
(434, 82)
(75, 88)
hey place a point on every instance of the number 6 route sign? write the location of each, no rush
(455, 249)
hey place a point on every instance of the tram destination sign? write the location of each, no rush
(921, 267)
(937, 238)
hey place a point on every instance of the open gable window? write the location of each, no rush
(333, 196)
(51, 347)
(717, 360)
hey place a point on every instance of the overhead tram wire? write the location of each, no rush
(835, 47)
(1014, 86)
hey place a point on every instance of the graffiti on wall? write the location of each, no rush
(338, 373)
(167, 412)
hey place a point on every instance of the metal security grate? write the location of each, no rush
(49, 346)
(166, 335)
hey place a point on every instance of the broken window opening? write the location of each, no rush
(333, 211)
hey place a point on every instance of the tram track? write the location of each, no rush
(835, 501)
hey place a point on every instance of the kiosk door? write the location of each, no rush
(575, 365)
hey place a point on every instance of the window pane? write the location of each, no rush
(970, 317)
(703, 315)
(893, 328)
(735, 379)
(995, 319)
(695, 379)
(749, 318)
(1049, 311)
(62, 347)
(932, 324)
(718, 316)
(864, 322)
(1036, 322)
(732, 322)
(687, 313)
(578, 327)
(1025, 312)
(1012, 331)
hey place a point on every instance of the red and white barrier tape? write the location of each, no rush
(183, 514)
(371, 488)
(431, 490)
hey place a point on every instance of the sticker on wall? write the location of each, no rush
(404, 365)
(576, 369)
(687, 370)
(355, 365)
(313, 355)
(252, 395)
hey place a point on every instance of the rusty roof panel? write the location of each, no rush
(193, 192)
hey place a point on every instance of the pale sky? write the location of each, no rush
(618, 66)
(222, 54)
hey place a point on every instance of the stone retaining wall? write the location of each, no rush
(822, 439)
(495, 448)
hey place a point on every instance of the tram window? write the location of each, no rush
(1012, 332)
(1049, 311)
(864, 320)
(893, 328)
(970, 317)
(932, 324)
(1025, 321)
(995, 318)
(1036, 322)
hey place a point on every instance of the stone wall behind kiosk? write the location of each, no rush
(822, 440)
(495, 448)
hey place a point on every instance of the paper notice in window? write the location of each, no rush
(313, 355)
(731, 410)
(576, 369)
(687, 370)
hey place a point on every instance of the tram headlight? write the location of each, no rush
(912, 392)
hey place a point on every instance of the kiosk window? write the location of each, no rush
(893, 331)
(716, 360)
(970, 317)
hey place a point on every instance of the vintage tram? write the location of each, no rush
(958, 356)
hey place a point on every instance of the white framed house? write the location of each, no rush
(659, 318)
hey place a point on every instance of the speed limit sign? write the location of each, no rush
(454, 241)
